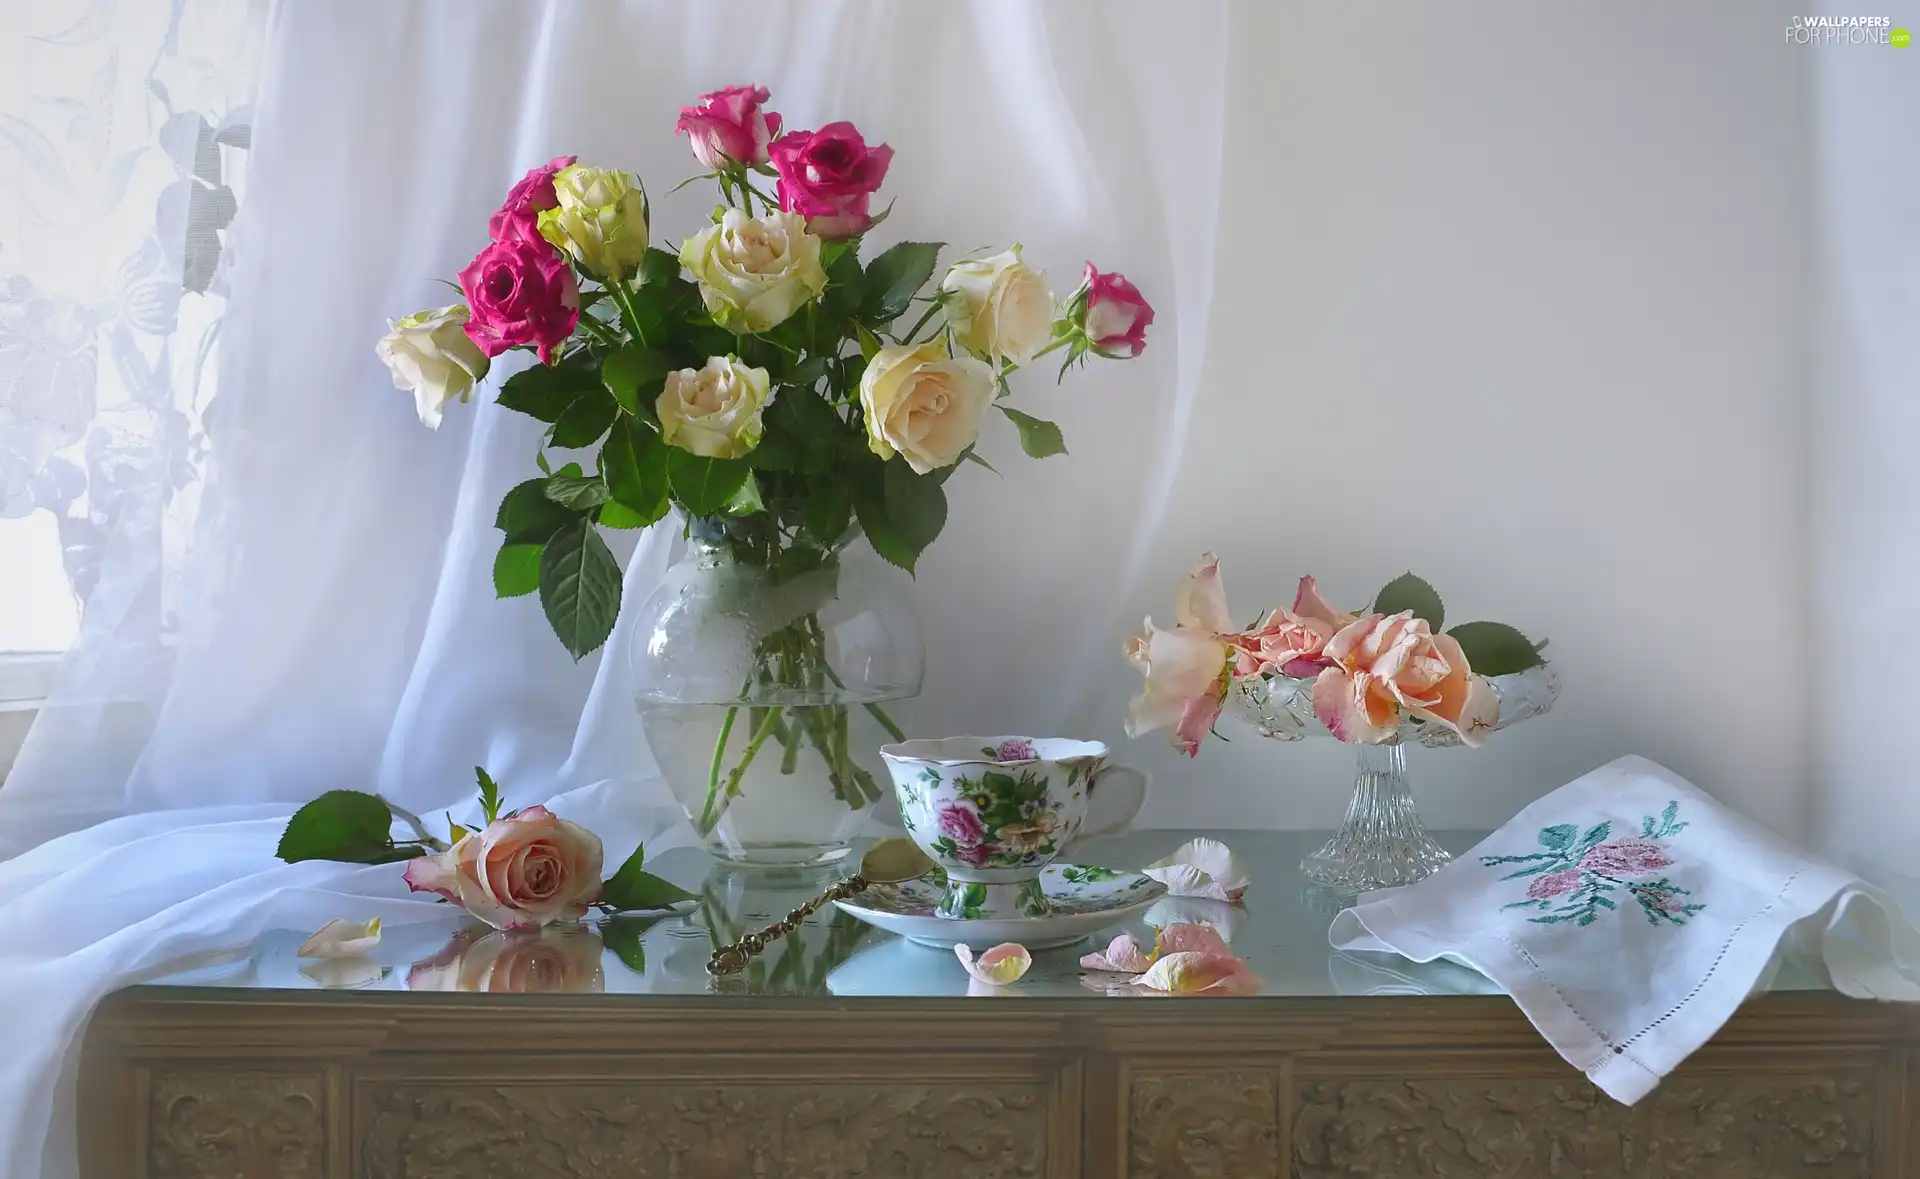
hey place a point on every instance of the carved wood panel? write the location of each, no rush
(642, 1130)
(237, 1125)
(1212, 1125)
(1703, 1127)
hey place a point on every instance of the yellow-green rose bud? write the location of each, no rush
(601, 221)
(754, 273)
(714, 411)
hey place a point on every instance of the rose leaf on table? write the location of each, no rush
(633, 888)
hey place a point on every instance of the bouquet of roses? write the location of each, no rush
(758, 377)
(1360, 674)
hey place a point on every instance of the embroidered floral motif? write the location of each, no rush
(1579, 873)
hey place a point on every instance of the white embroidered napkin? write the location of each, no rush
(1628, 914)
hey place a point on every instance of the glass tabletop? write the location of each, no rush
(1280, 928)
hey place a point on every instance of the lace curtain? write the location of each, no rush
(124, 135)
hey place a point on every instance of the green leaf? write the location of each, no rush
(634, 376)
(623, 934)
(841, 300)
(545, 391)
(489, 793)
(614, 514)
(895, 277)
(829, 510)
(527, 516)
(901, 512)
(580, 587)
(1558, 838)
(1407, 592)
(658, 266)
(704, 486)
(818, 433)
(777, 452)
(585, 420)
(579, 492)
(970, 455)
(345, 825)
(807, 373)
(634, 461)
(1038, 437)
(1494, 648)
(746, 501)
(516, 570)
(634, 888)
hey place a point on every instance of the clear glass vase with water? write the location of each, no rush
(763, 678)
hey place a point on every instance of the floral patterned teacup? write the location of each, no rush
(994, 811)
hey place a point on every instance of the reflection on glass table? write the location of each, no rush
(1280, 928)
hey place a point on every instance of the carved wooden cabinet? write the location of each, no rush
(184, 1084)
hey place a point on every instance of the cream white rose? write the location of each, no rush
(601, 221)
(430, 355)
(1000, 307)
(923, 404)
(755, 273)
(714, 411)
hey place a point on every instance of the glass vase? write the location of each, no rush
(1382, 843)
(762, 672)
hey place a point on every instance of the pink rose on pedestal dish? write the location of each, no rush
(519, 215)
(961, 825)
(1626, 857)
(522, 872)
(1554, 884)
(829, 176)
(1385, 665)
(520, 292)
(729, 126)
(1117, 315)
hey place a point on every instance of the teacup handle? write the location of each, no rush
(1114, 799)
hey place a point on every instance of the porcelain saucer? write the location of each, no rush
(1082, 899)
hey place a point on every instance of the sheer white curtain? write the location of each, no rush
(339, 627)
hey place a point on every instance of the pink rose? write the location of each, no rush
(728, 127)
(519, 215)
(1286, 643)
(960, 823)
(828, 176)
(1626, 857)
(1554, 884)
(1384, 664)
(1188, 668)
(520, 873)
(975, 855)
(1117, 315)
(520, 293)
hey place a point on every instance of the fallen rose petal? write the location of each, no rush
(1202, 868)
(1002, 964)
(1225, 918)
(1188, 938)
(340, 938)
(1123, 955)
(1189, 973)
(344, 972)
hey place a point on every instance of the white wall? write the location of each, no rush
(1514, 295)
(1866, 480)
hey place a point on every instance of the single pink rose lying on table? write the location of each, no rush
(519, 215)
(522, 872)
(1386, 664)
(1117, 315)
(829, 177)
(520, 292)
(729, 127)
